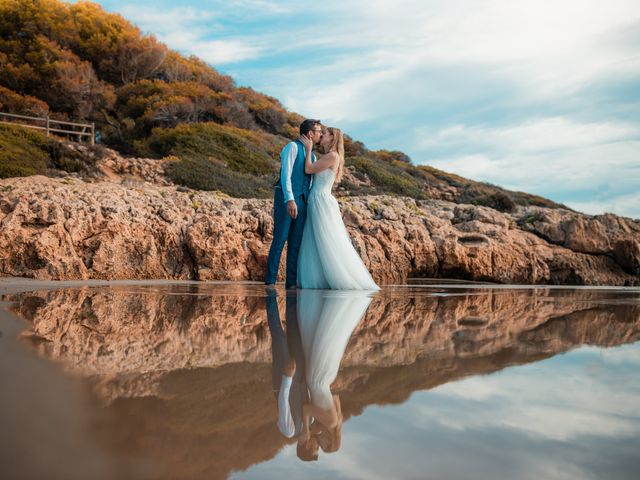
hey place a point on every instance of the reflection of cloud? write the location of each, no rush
(556, 419)
(625, 355)
(568, 403)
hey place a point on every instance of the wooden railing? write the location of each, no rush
(52, 126)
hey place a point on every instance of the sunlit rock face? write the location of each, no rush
(72, 229)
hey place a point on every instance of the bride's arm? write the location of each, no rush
(326, 161)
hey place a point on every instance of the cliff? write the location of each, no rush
(129, 221)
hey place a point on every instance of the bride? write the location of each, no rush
(326, 319)
(327, 258)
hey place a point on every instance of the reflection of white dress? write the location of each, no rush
(327, 258)
(327, 319)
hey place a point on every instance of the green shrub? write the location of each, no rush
(209, 156)
(25, 152)
(22, 152)
(220, 144)
(498, 201)
(204, 174)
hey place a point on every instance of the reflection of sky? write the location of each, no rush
(540, 96)
(576, 415)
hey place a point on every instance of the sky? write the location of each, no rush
(542, 97)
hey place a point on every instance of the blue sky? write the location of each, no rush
(539, 96)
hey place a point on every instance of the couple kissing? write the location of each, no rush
(307, 216)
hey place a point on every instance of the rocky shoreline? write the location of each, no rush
(131, 223)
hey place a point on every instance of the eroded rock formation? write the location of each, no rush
(131, 229)
(106, 332)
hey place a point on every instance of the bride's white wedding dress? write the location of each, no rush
(327, 258)
(327, 319)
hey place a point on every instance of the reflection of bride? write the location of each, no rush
(326, 318)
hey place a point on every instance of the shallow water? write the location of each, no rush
(435, 381)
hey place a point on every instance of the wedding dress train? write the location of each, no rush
(327, 319)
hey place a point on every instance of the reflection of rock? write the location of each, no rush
(118, 331)
(186, 371)
(70, 229)
(107, 332)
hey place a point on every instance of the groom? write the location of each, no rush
(288, 364)
(290, 203)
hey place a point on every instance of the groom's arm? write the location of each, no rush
(287, 159)
(285, 420)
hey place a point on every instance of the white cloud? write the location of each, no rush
(215, 52)
(161, 21)
(546, 155)
(189, 30)
(534, 136)
(625, 205)
(543, 49)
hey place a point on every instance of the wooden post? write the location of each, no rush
(93, 133)
(47, 125)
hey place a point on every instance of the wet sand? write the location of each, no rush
(46, 416)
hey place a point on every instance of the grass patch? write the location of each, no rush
(22, 152)
(204, 174)
(25, 152)
(387, 178)
(209, 156)
(240, 150)
(486, 194)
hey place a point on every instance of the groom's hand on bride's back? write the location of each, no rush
(292, 209)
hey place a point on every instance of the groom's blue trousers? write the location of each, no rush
(286, 230)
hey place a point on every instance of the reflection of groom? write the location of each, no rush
(288, 378)
(290, 204)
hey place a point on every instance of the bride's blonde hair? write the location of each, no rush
(337, 145)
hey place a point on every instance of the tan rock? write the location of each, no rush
(586, 235)
(72, 229)
(627, 254)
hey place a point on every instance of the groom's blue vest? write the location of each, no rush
(300, 181)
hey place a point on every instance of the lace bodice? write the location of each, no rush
(323, 181)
